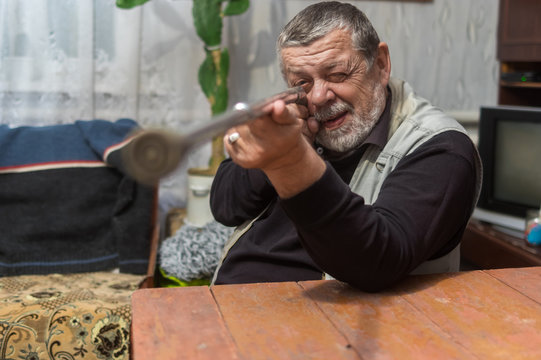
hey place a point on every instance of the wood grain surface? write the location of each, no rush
(491, 314)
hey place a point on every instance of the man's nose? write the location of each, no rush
(320, 94)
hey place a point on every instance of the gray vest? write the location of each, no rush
(413, 122)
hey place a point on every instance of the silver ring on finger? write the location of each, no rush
(233, 137)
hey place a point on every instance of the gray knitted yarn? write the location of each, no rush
(194, 252)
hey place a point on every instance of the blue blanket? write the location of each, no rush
(65, 203)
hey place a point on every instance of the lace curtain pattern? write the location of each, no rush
(65, 60)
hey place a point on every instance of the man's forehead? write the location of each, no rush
(331, 64)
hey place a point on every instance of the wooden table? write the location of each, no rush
(489, 314)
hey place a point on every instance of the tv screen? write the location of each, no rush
(510, 148)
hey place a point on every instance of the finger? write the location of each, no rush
(233, 137)
(312, 124)
(303, 112)
(228, 133)
(299, 111)
(230, 141)
(288, 114)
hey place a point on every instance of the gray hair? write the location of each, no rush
(320, 19)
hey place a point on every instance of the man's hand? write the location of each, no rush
(270, 141)
(280, 144)
(311, 127)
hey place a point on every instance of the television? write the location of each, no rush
(509, 143)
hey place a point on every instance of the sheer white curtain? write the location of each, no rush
(65, 60)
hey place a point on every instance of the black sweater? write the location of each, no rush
(421, 213)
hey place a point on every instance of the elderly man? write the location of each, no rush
(367, 184)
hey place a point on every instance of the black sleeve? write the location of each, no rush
(422, 208)
(239, 194)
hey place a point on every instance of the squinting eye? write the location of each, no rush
(305, 84)
(338, 77)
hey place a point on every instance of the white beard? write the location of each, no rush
(350, 135)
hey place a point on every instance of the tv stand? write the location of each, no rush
(486, 247)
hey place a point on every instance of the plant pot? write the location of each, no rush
(198, 203)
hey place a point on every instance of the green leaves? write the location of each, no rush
(213, 74)
(128, 4)
(208, 21)
(208, 18)
(236, 7)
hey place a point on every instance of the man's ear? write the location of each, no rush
(383, 63)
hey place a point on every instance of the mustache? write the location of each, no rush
(329, 112)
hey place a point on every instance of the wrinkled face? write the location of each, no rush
(344, 95)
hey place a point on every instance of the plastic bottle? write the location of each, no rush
(533, 228)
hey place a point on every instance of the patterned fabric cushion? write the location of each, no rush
(68, 316)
